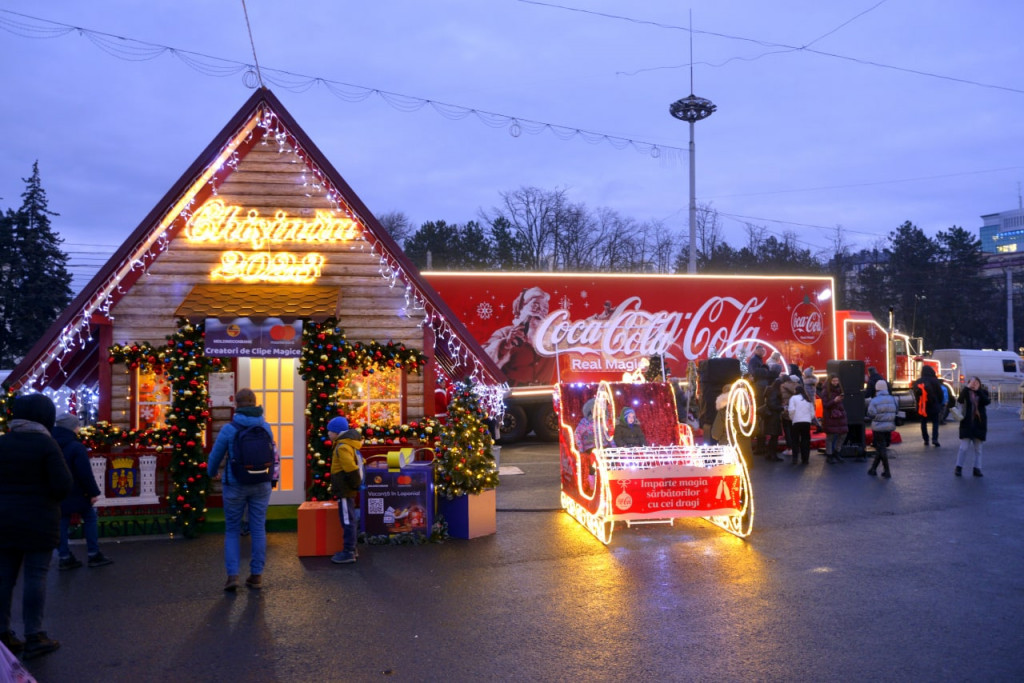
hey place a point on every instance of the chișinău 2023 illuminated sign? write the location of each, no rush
(220, 223)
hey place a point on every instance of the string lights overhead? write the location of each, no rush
(129, 49)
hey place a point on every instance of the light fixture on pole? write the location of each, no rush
(692, 109)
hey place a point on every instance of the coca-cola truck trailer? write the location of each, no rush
(545, 328)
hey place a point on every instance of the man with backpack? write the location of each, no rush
(251, 472)
(928, 393)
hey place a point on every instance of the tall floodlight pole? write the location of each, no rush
(692, 109)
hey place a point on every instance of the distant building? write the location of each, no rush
(1003, 233)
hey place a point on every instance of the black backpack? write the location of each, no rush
(253, 459)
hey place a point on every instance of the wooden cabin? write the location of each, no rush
(260, 237)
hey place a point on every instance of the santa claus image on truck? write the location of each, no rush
(512, 347)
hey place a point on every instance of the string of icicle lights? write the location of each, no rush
(268, 125)
(129, 49)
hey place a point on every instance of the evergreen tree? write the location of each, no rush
(971, 315)
(509, 251)
(8, 291)
(873, 291)
(916, 279)
(465, 462)
(36, 282)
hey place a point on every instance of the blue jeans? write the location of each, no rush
(90, 529)
(834, 443)
(237, 499)
(347, 515)
(33, 592)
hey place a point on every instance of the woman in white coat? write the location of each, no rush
(801, 412)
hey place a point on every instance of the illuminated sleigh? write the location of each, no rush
(669, 478)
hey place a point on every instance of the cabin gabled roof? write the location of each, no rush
(69, 352)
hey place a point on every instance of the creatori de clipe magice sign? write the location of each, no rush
(220, 223)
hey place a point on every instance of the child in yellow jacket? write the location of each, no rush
(346, 479)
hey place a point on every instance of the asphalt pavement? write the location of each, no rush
(846, 577)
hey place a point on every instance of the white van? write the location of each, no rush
(994, 368)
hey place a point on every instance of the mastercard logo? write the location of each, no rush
(233, 330)
(282, 332)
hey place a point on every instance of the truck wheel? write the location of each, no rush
(513, 424)
(545, 423)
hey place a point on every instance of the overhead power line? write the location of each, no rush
(867, 184)
(130, 49)
(769, 44)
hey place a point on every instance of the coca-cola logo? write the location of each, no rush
(807, 322)
(631, 331)
(718, 323)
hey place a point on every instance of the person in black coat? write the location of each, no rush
(771, 420)
(928, 392)
(84, 493)
(974, 425)
(33, 481)
(874, 377)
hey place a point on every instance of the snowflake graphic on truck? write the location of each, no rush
(484, 311)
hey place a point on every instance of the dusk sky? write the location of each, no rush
(854, 114)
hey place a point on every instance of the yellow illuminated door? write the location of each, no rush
(282, 394)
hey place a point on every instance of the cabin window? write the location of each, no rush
(374, 398)
(1009, 365)
(153, 399)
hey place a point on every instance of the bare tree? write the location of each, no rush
(533, 215)
(709, 231)
(398, 225)
(755, 236)
(577, 239)
(663, 245)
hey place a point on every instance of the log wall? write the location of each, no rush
(269, 181)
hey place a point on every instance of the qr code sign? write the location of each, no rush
(375, 506)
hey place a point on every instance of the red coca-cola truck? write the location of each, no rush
(546, 328)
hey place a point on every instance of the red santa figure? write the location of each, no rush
(512, 347)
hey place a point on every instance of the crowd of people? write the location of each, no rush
(794, 404)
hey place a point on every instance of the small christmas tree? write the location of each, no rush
(465, 463)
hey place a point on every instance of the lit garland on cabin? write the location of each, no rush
(465, 462)
(6, 403)
(139, 356)
(326, 358)
(187, 368)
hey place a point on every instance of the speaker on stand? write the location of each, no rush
(851, 377)
(717, 374)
